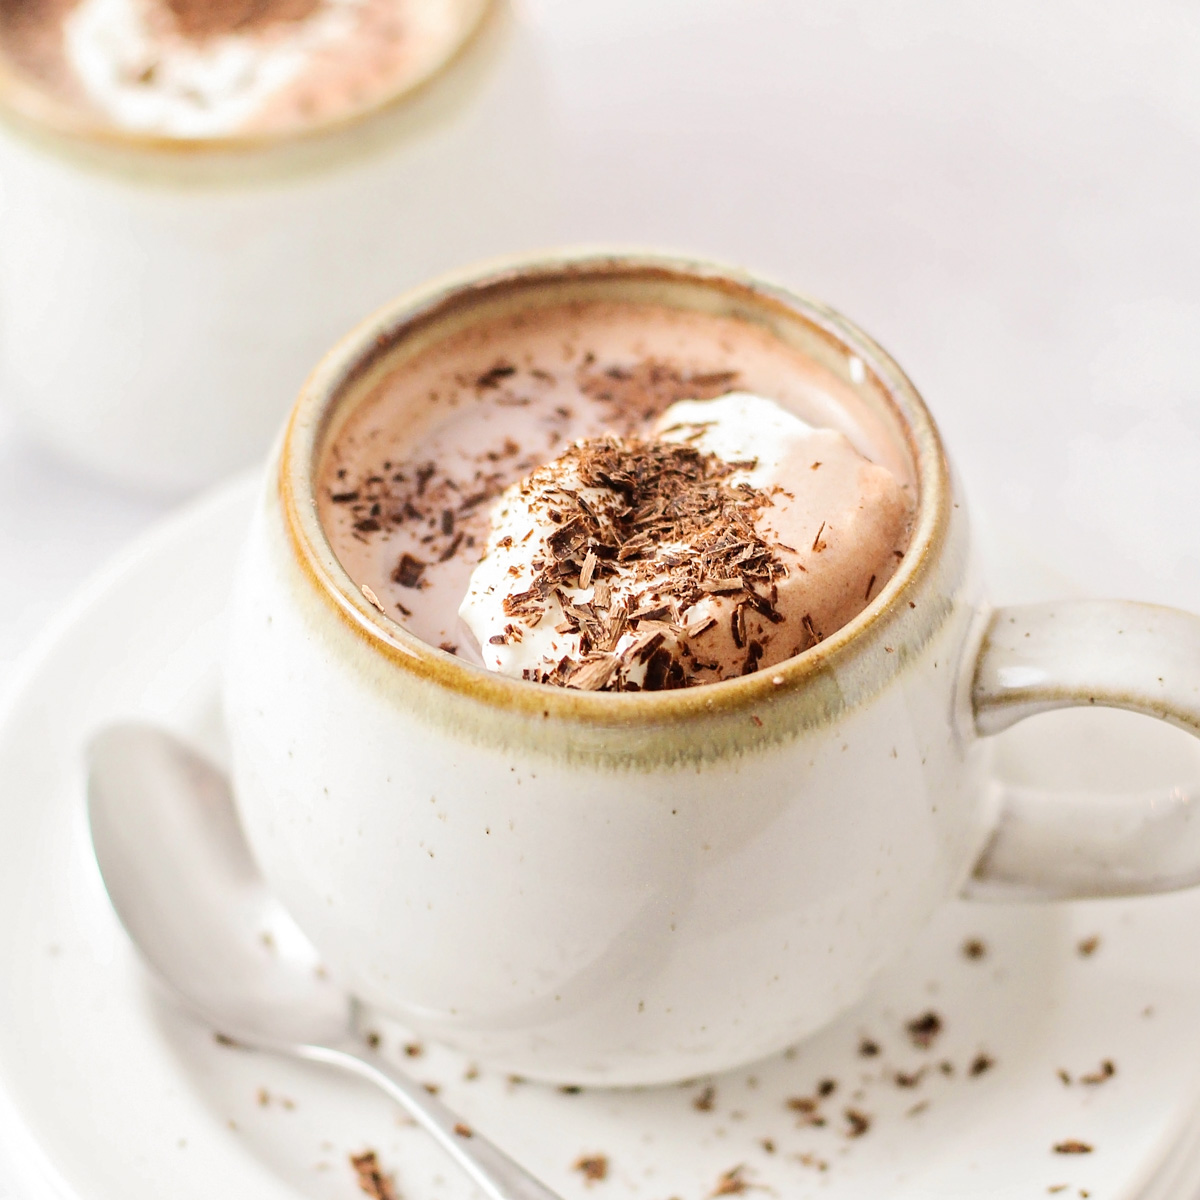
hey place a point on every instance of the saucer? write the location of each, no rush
(1017, 1051)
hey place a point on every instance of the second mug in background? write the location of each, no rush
(162, 297)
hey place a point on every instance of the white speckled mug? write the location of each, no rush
(634, 888)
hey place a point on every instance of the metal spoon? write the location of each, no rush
(181, 878)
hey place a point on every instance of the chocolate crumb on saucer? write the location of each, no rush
(371, 1179)
(733, 1182)
(593, 1167)
(1106, 1071)
(808, 1110)
(857, 1122)
(1072, 1146)
(923, 1030)
(980, 1064)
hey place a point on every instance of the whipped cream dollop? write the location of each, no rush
(146, 76)
(733, 537)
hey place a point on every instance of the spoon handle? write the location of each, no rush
(496, 1175)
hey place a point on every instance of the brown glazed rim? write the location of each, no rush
(22, 97)
(368, 345)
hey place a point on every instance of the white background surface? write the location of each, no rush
(1007, 196)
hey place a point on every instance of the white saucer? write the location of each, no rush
(108, 1093)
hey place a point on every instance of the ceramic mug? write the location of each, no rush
(634, 888)
(162, 298)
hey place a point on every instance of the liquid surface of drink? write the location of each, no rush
(216, 68)
(409, 485)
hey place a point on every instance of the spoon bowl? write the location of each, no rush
(180, 875)
(187, 890)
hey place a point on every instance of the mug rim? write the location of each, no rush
(371, 342)
(21, 97)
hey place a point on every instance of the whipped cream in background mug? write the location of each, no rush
(646, 886)
(196, 200)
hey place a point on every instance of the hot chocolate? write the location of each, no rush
(214, 68)
(617, 496)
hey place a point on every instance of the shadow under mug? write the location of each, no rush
(636, 888)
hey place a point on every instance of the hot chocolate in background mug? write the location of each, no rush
(619, 888)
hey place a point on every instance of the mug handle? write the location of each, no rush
(1079, 653)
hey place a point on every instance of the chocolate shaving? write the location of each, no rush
(924, 1029)
(857, 1123)
(452, 549)
(638, 393)
(593, 1167)
(980, 1064)
(567, 539)
(495, 376)
(588, 569)
(732, 1183)
(593, 675)
(409, 571)
(659, 513)
(371, 1179)
(974, 948)
(737, 626)
(1106, 1072)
